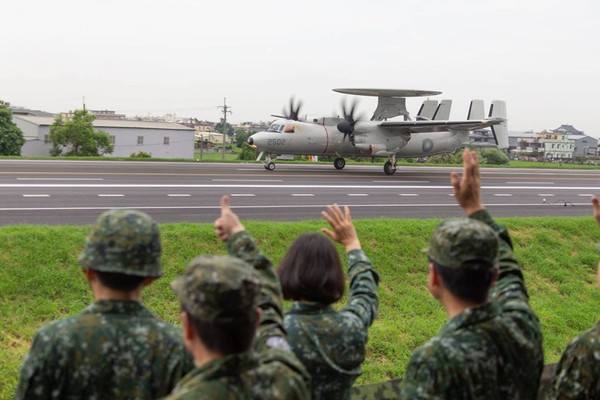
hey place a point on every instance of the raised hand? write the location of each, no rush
(228, 223)
(343, 230)
(596, 206)
(467, 189)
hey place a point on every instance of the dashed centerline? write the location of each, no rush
(242, 195)
(111, 195)
(179, 195)
(502, 195)
(36, 195)
(302, 194)
(358, 194)
(408, 194)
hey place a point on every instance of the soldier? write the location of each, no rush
(116, 348)
(491, 347)
(330, 342)
(577, 375)
(233, 324)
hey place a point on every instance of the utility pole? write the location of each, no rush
(225, 111)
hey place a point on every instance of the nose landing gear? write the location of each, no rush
(339, 163)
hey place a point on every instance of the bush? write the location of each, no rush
(140, 154)
(248, 153)
(493, 157)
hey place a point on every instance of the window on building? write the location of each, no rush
(166, 140)
(112, 139)
(46, 139)
(140, 140)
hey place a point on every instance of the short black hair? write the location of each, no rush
(469, 284)
(312, 270)
(119, 281)
(225, 338)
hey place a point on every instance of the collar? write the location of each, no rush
(471, 316)
(309, 307)
(128, 307)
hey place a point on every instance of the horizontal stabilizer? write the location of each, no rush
(476, 110)
(442, 113)
(500, 130)
(427, 110)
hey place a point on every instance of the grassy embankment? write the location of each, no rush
(41, 281)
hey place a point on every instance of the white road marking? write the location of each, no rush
(545, 195)
(60, 179)
(302, 195)
(400, 181)
(179, 195)
(531, 183)
(36, 195)
(586, 195)
(408, 194)
(451, 194)
(242, 195)
(247, 180)
(111, 195)
(357, 194)
(502, 195)
(291, 206)
(268, 186)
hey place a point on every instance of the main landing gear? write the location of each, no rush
(339, 163)
(390, 166)
(269, 164)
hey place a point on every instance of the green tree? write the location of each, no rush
(240, 137)
(11, 137)
(219, 128)
(75, 136)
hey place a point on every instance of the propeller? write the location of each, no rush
(347, 125)
(293, 112)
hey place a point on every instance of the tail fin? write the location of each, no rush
(427, 110)
(500, 129)
(476, 110)
(443, 111)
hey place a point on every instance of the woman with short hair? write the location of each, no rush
(330, 343)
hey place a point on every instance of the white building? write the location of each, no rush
(160, 139)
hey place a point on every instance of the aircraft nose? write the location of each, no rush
(251, 140)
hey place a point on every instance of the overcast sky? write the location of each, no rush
(184, 56)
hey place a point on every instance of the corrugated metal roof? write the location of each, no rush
(112, 123)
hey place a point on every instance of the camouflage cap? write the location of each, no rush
(218, 289)
(123, 241)
(463, 243)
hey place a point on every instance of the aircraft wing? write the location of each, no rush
(439, 126)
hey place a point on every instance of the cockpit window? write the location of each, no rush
(275, 128)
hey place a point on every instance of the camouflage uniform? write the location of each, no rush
(490, 351)
(578, 372)
(222, 289)
(329, 343)
(113, 349)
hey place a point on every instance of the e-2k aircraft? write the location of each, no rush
(432, 132)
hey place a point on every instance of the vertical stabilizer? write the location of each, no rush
(443, 111)
(476, 110)
(500, 129)
(427, 110)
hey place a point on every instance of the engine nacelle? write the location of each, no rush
(373, 149)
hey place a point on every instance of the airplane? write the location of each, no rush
(430, 133)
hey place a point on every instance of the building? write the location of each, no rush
(584, 145)
(160, 139)
(541, 145)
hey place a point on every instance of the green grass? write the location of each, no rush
(41, 281)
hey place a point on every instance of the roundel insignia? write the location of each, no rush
(427, 145)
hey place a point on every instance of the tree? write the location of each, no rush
(240, 137)
(219, 128)
(11, 137)
(75, 136)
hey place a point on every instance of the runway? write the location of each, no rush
(75, 192)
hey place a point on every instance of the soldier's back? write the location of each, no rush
(112, 350)
(578, 372)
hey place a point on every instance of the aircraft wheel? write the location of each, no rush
(270, 166)
(339, 163)
(389, 168)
